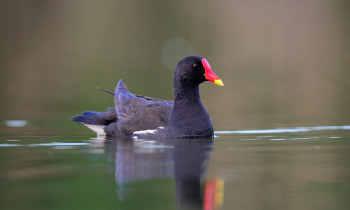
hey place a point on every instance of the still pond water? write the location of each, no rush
(277, 168)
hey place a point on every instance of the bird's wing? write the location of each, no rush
(137, 113)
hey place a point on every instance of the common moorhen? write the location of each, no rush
(145, 117)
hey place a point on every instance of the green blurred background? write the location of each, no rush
(283, 63)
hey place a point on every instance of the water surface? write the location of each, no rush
(277, 168)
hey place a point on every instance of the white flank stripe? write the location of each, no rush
(145, 131)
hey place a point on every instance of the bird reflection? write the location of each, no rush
(182, 159)
(189, 160)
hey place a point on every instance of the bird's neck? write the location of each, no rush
(189, 116)
(187, 94)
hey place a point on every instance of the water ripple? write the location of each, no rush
(287, 130)
(54, 144)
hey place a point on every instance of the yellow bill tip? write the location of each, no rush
(218, 82)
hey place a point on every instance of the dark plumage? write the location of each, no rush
(145, 117)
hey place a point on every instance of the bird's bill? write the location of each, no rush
(210, 75)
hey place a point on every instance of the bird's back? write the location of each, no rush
(137, 113)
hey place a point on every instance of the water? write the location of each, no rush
(276, 168)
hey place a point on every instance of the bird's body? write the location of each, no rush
(145, 117)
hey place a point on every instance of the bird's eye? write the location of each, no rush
(195, 66)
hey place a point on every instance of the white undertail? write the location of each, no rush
(99, 129)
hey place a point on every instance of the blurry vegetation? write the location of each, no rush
(281, 62)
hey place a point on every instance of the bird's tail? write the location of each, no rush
(89, 117)
(97, 121)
